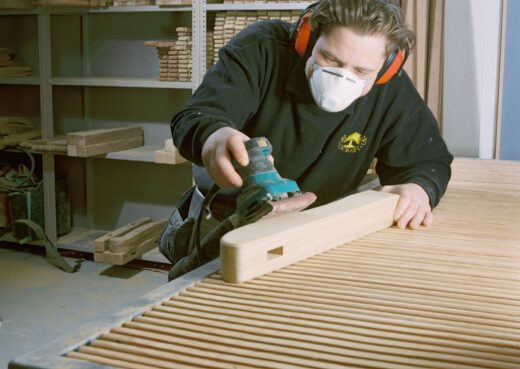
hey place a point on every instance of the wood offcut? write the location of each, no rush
(169, 155)
(129, 242)
(102, 141)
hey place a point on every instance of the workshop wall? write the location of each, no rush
(471, 73)
(510, 129)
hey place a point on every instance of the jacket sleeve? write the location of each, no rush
(416, 153)
(229, 94)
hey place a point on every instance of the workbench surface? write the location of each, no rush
(443, 297)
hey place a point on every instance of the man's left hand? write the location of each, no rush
(413, 208)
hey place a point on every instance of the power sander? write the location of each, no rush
(282, 194)
(264, 194)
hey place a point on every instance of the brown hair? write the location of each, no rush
(370, 17)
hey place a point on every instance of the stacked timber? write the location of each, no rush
(229, 23)
(133, 2)
(259, 1)
(101, 141)
(180, 62)
(10, 66)
(75, 3)
(129, 242)
(175, 56)
(16, 4)
(173, 2)
(169, 155)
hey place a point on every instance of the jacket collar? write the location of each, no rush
(297, 82)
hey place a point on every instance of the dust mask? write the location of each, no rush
(334, 89)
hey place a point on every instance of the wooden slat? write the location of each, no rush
(103, 135)
(443, 297)
(104, 148)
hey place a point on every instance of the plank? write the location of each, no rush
(136, 236)
(14, 140)
(103, 135)
(103, 148)
(56, 144)
(101, 243)
(270, 244)
(22, 71)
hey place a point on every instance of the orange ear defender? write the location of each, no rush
(302, 32)
(392, 66)
(304, 38)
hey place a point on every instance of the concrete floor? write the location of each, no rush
(39, 302)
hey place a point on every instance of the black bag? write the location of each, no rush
(175, 239)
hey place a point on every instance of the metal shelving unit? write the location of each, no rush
(48, 82)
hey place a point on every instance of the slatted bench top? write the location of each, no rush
(443, 297)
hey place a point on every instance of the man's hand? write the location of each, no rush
(413, 208)
(219, 148)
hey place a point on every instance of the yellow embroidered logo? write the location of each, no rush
(352, 143)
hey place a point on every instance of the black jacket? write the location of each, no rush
(259, 87)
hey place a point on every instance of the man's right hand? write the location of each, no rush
(222, 145)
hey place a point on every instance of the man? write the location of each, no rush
(325, 106)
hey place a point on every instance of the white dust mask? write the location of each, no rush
(334, 89)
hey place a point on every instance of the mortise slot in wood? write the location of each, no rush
(277, 251)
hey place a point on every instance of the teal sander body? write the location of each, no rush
(283, 195)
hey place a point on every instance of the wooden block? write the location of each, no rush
(267, 245)
(169, 146)
(103, 148)
(101, 243)
(130, 240)
(121, 258)
(168, 157)
(97, 136)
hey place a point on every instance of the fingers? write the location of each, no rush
(413, 208)
(223, 171)
(217, 153)
(237, 148)
(428, 219)
(402, 206)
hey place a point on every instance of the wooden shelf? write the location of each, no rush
(31, 81)
(119, 82)
(111, 9)
(257, 6)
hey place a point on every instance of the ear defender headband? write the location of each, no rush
(304, 39)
